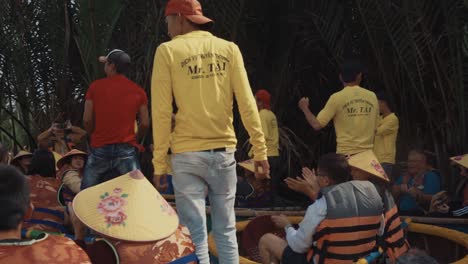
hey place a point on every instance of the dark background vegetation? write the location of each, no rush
(415, 50)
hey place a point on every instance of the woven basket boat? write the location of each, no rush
(423, 226)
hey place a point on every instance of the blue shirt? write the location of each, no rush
(432, 186)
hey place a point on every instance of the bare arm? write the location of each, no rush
(326, 114)
(144, 122)
(311, 119)
(44, 136)
(88, 117)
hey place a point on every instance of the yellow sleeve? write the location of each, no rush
(265, 120)
(265, 128)
(247, 106)
(161, 108)
(387, 127)
(328, 112)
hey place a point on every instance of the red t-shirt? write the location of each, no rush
(116, 101)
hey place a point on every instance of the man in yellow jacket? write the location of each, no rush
(386, 134)
(354, 111)
(270, 131)
(202, 74)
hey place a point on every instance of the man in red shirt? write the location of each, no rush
(111, 107)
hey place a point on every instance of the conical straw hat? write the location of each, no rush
(72, 152)
(248, 165)
(126, 208)
(368, 162)
(20, 154)
(461, 160)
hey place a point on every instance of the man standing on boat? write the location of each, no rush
(354, 111)
(386, 135)
(202, 74)
(111, 106)
(270, 131)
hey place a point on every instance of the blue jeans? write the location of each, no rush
(196, 175)
(108, 162)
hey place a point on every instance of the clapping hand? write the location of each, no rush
(307, 184)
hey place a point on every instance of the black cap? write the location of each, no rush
(117, 57)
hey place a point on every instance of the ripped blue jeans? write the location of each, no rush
(108, 162)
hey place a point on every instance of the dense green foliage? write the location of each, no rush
(415, 50)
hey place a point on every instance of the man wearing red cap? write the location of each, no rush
(270, 130)
(202, 74)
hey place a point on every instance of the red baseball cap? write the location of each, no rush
(190, 9)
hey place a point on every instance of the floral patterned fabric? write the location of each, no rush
(163, 251)
(44, 191)
(44, 195)
(54, 223)
(48, 249)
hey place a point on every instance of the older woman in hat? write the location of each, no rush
(71, 167)
(22, 161)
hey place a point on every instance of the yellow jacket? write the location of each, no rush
(354, 111)
(385, 139)
(270, 130)
(201, 74)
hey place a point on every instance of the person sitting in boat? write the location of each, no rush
(22, 161)
(71, 169)
(48, 214)
(441, 203)
(62, 136)
(366, 167)
(416, 188)
(341, 225)
(16, 206)
(123, 210)
(43, 163)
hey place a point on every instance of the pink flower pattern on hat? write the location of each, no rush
(457, 158)
(379, 168)
(113, 207)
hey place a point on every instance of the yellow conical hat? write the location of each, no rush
(126, 208)
(367, 162)
(21, 154)
(461, 160)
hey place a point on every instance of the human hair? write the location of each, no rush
(43, 163)
(14, 197)
(205, 27)
(335, 166)
(350, 70)
(121, 60)
(416, 256)
(428, 155)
